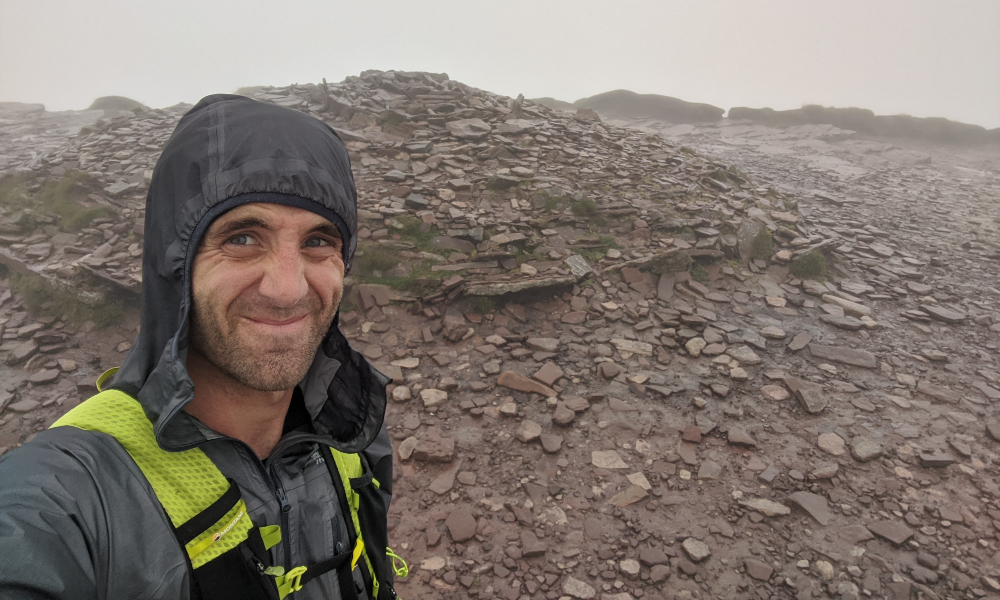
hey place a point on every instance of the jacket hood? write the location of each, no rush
(225, 152)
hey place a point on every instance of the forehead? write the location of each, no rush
(270, 216)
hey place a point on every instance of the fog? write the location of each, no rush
(893, 56)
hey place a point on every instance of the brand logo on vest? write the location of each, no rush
(232, 523)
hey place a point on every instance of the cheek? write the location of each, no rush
(327, 282)
(218, 286)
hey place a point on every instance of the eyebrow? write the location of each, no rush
(256, 223)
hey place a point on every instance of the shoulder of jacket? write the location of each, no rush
(68, 457)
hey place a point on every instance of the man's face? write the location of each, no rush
(267, 280)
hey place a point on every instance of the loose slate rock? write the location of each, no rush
(529, 431)
(768, 508)
(943, 314)
(630, 495)
(831, 443)
(543, 344)
(580, 590)
(696, 549)
(744, 354)
(936, 460)
(633, 346)
(520, 383)
(44, 376)
(461, 524)
(864, 449)
(897, 533)
(760, 571)
(607, 459)
(939, 393)
(740, 437)
(799, 342)
(433, 398)
(813, 504)
(848, 356)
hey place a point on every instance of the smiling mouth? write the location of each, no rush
(280, 323)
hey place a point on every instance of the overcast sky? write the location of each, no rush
(919, 57)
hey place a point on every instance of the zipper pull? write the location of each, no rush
(282, 499)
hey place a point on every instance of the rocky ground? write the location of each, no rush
(631, 359)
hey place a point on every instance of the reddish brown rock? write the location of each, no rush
(520, 383)
(461, 524)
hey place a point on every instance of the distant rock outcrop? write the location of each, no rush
(117, 103)
(554, 104)
(627, 104)
(935, 129)
(624, 103)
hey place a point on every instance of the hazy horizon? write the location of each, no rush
(916, 57)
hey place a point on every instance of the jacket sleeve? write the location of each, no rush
(47, 544)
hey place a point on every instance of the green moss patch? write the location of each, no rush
(65, 198)
(811, 265)
(40, 298)
(762, 245)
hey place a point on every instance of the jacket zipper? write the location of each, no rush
(286, 542)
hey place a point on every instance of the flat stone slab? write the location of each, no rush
(574, 588)
(520, 383)
(813, 504)
(543, 344)
(44, 376)
(939, 392)
(864, 450)
(433, 398)
(549, 373)
(633, 346)
(744, 355)
(461, 524)
(607, 459)
(630, 495)
(528, 431)
(943, 314)
(759, 570)
(848, 356)
(696, 550)
(768, 508)
(799, 342)
(936, 460)
(897, 533)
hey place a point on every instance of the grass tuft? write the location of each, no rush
(66, 198)
(811, 265)
(584, 207)
(40, 298)
(481, 305)
(699, 273)
(762, 245)
(373, 260)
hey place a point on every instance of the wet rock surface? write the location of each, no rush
(631, 359)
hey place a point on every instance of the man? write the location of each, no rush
(240, 450)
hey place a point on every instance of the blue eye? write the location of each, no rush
(242, 239)
(319, 242)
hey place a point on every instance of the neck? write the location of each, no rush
(235, 410)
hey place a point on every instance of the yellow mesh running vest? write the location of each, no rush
(188, 483)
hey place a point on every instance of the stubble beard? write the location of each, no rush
(263, 363)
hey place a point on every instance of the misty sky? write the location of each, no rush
(918, 57)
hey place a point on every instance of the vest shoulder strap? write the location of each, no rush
(185, 483)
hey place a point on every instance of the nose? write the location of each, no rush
(284, 281)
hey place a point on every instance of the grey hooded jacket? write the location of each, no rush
(77, 517)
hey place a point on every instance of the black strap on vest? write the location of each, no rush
(342, 563)
(200, 523)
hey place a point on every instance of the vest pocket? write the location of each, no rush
(239, 573)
